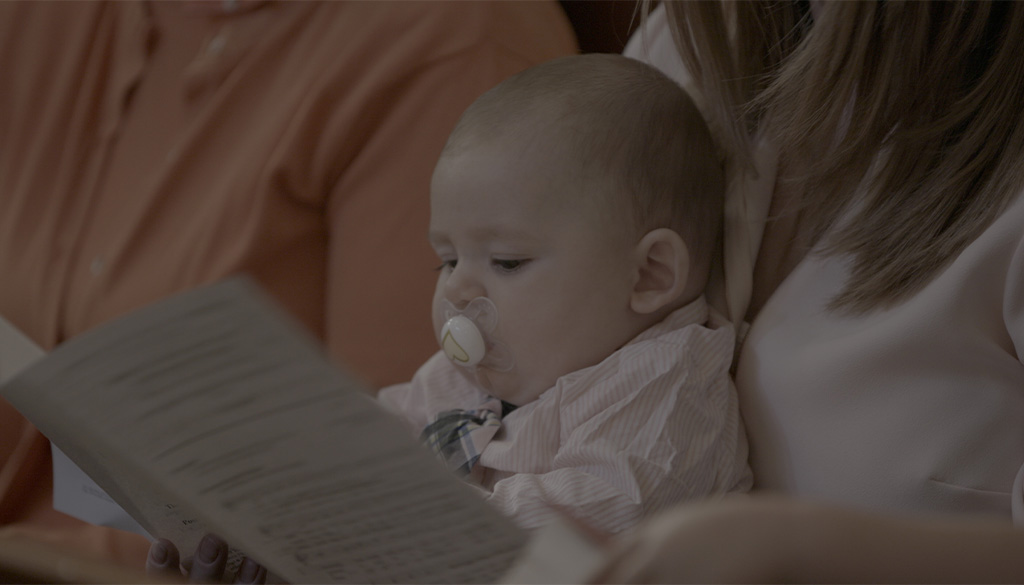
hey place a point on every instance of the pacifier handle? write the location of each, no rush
(462, 341)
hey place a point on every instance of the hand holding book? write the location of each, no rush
(209, 563)
(216, 402)
(212, 412)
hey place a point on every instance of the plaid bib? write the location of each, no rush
(459, 436)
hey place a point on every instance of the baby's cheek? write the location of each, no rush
(437, 317)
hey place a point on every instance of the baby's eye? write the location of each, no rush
(447, 264)
(509, 265)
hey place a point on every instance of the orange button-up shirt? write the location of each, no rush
(147, 148)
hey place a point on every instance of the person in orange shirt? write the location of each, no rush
(150, 147)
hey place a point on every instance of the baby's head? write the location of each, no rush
(582, 199)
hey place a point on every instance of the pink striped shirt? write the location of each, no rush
(654, 424)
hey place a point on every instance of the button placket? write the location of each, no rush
(216, 45)
(97, 265)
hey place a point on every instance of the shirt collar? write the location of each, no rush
(694, 313)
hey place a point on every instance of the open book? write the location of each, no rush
(213, 412)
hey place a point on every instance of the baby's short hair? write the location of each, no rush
(623, 123)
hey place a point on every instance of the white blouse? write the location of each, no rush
(915, 408)
(919, 407)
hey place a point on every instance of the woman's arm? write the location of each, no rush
(767, 539)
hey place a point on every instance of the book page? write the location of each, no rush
(77, 495)
(213, 398)
(74, 492)
(16, 351)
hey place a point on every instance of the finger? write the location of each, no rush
(613, 571)
(251, 572)
(162, 558)
(589, 532)
(209, 561)
(631, 559)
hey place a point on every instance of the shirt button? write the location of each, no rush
(97, 265)
(216, 44)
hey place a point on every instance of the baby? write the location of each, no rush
(576, 210)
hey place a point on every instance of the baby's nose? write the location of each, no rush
(462, 287)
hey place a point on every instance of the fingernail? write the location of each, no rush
(158, 553)
(249, 572)
(209, 548)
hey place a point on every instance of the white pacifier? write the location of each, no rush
(466, 336)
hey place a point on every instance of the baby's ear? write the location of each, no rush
(663, 266)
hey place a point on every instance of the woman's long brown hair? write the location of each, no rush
(905, 118)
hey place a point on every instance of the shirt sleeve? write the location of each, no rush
(1013, 316)
(675, 437)
(380, 277)
(1017, 501)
